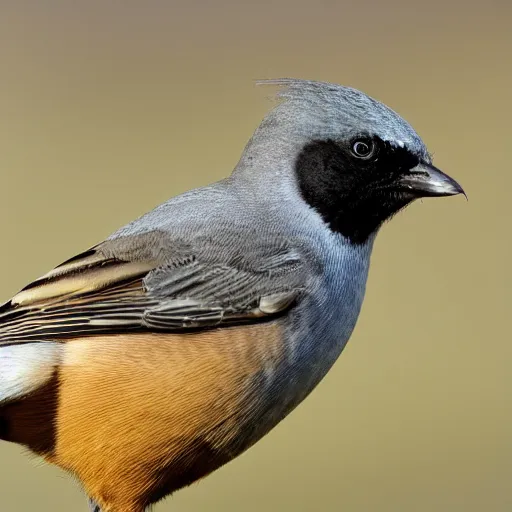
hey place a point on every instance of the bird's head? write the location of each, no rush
(356, 161)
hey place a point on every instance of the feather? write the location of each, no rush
(97, 294)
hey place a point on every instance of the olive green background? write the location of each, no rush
(109, 108)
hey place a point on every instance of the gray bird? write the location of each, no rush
(160, 354)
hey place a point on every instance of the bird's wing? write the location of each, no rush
(104, 291)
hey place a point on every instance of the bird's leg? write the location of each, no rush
(94, 507)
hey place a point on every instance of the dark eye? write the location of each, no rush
(363, 148)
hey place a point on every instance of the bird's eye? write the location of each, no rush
(363, 148)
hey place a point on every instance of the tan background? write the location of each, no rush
(109, 108)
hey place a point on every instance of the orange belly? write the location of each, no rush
(136, 417)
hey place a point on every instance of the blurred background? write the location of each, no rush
(109, 108)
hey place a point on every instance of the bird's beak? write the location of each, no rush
(425, 180)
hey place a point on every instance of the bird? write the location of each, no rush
(154, 358)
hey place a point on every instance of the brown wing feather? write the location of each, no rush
(58, 304)
(86, 273)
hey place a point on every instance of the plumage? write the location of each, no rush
(109, 294)
(120, 409)
(160, 354)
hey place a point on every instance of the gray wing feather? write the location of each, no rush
(103, 293)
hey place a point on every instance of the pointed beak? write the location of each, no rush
(425, 180)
